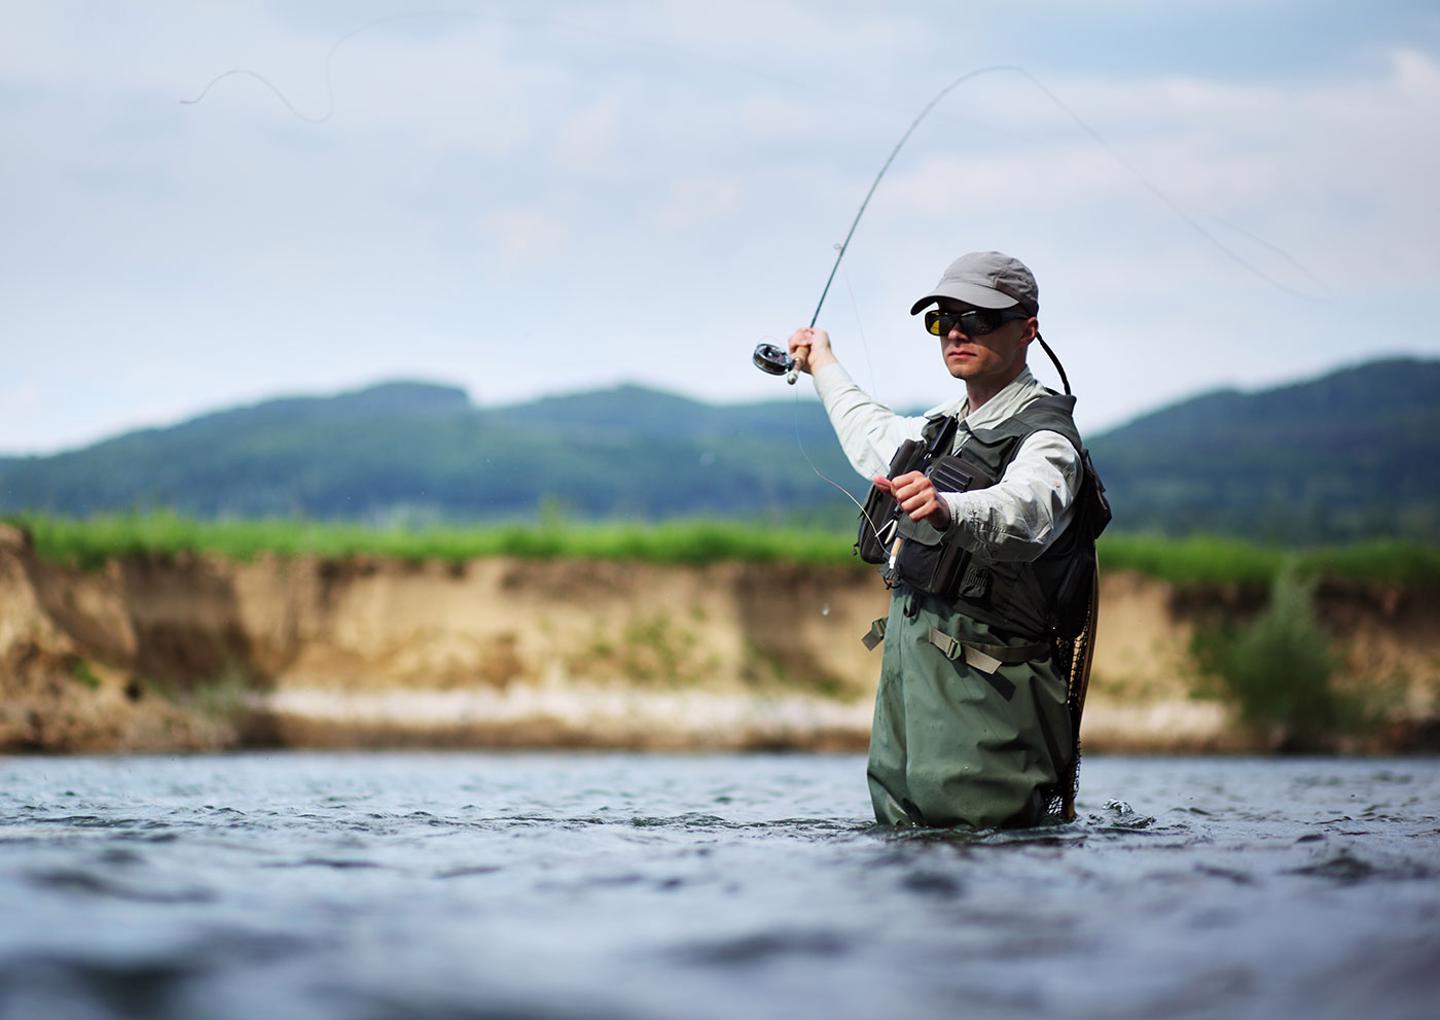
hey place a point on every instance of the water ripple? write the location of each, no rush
(326, 886)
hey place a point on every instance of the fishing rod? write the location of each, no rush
(772, 359)
(775, 360)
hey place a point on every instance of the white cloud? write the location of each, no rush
(697, 201)
(1326, 172)
(528, 236)
(782, 30)
(471, 158)
(589, 139)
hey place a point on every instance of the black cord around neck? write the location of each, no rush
(1064, 380)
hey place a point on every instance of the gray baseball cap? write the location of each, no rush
(986, 279)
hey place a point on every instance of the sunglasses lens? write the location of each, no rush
(975, 322)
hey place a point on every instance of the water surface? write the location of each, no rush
(612, 885)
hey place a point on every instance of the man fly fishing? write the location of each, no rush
(983, 517)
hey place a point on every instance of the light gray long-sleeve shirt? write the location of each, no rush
(1016, 518)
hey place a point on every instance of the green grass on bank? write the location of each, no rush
(1208, 559)
(90, 542)
(1195, 560)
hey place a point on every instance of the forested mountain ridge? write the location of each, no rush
(423, 451)
(1351, 454)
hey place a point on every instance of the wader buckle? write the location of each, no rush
(987, 658)
(874, 635)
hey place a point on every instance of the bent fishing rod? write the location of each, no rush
(774, 360)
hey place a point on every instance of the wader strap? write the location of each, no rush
(988, 658)
(874, 635)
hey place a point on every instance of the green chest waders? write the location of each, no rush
(983, 674)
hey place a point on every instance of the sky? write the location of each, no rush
(537, 198)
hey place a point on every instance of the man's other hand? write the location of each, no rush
(917, 497)
(811, 349)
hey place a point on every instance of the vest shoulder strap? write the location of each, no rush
(1052, 413)
(936, 424)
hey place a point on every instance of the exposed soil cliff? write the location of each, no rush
(188, 652)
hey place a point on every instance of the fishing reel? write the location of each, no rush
(773, 360)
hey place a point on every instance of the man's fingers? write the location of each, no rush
(914, 492)
(912, 483)
(906, 485)
(921, 505)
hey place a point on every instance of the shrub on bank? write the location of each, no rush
(1278, 669)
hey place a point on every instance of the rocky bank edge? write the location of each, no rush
(196, 652)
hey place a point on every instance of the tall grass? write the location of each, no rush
(1202, 559)
(1196, 560)
(90, 542)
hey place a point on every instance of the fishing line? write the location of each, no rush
(860, 328)
(588, 32)
(1099, 139)
(245, 72)
(844, 246)
(771, 358)
(795, 409)
(795, 412)
(1170, 203)
(1294, 263)
(795, 419)
(769, 363)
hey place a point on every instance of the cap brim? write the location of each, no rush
(970, 293)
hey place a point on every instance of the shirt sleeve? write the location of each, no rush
(1019, 516)
(869, 432)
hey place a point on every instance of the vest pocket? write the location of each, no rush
(877, 527)
(880, 514)
(928, 563)
(975, 582)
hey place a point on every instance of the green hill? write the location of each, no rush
(1353, 454)
(1349, 455)
(422, 451)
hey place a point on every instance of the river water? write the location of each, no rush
(614, 885)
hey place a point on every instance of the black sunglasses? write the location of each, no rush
(973, 322)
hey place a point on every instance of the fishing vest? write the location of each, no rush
(1036, 600)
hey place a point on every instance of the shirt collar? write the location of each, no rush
(1020, 391)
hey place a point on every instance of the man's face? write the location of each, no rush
(994, 357)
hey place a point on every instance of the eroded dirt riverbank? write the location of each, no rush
(195, 651)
